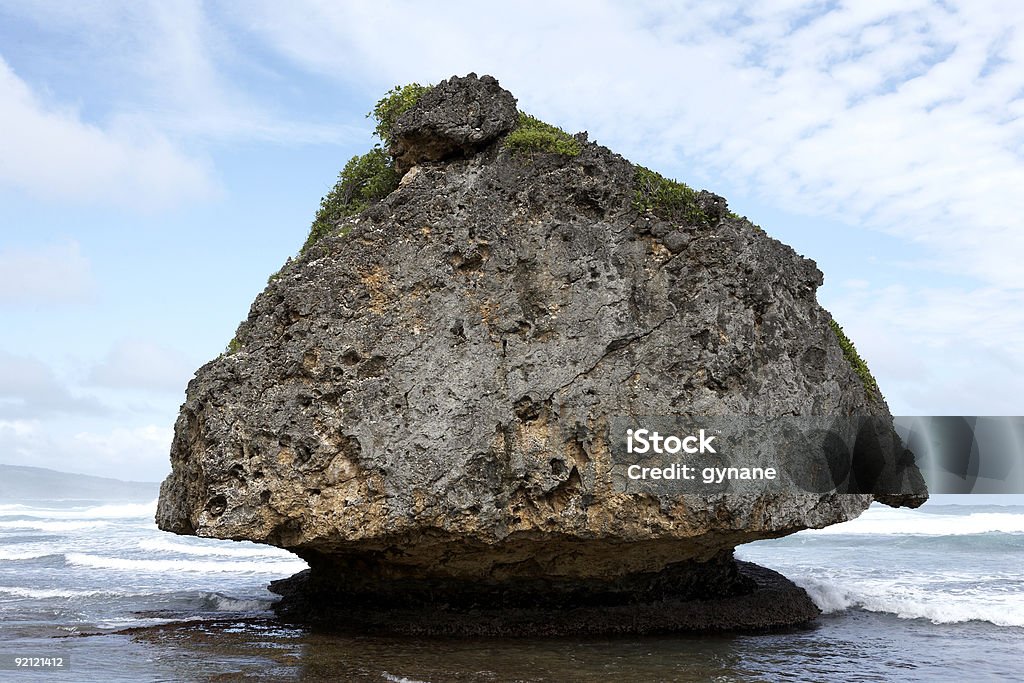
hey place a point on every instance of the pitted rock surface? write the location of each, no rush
(426, 397)
(456, 117)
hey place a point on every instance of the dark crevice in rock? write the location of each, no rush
(733, 596)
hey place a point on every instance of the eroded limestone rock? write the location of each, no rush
(456, 117)
(426, 398)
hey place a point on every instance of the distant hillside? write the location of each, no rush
(18, 483)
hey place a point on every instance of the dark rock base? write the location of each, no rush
(724, 596)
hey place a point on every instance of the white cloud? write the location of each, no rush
(48, 274)
(30, 389)
(51, 153)
(891, 115)
(172, 68)
(144, 449)
(141, 364)
(137, 453)
(17, 428)
(18, 442)
(161, 84)
(939, 351)
(192, 57)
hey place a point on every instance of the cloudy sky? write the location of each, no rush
(159, 160)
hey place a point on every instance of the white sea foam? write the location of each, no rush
(218, 601)
(881, 521)
(392, 678)
(225, 603)
(107, 511)
(46, 525)
(23, 554)
(223, 549)
(915, 602)
(134, 622)
(119, 511)
(828, 596)
(49, 593)
(268, 566)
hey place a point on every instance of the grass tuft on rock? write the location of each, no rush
(666, 198)
(854, 359)
(366, 178)
(531, 135)
(732, 215)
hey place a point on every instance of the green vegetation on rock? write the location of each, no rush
(666, 198)
(854, 359)
(531, 135)
(369, 177)
(365, 179)
(732, 215)
(396, 102)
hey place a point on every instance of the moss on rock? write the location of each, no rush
(531, 135)
(366, 178)
(666, 198)
(854, 359)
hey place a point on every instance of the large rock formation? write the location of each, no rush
(419, 406)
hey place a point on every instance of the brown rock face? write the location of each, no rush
(425, 401)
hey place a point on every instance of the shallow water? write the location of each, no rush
(854, 646)
(935, 594)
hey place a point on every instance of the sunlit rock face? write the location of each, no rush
(424, 401)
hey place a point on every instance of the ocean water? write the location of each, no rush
(928, 595)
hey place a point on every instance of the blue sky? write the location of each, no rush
(159, 160)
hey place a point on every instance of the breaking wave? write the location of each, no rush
(107, 511)
(226, 603)
(269, 566)
(906, 522)
(14, 555)
(939, 607)
(223, 549)
(49, 593)
(46, 525)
